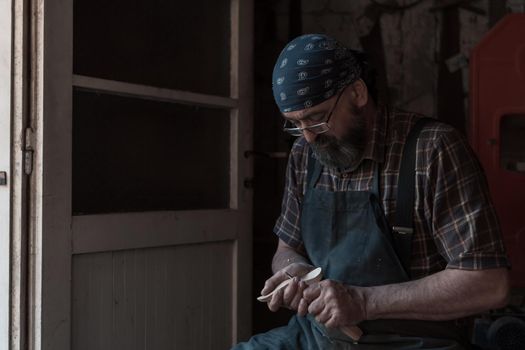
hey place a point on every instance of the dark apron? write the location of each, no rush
(347, 234)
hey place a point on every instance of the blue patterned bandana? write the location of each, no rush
(311, 69)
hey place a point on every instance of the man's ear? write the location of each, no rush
(359, 93)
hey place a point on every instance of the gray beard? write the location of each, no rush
(342, 154)
(334, 153)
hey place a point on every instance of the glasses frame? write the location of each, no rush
(318, 128)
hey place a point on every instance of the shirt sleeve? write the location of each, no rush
(464, 223)
(288, 225)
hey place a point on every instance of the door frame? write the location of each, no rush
(55, 235)
(14, 85)
(21, 166)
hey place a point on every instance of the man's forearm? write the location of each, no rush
(446, 295)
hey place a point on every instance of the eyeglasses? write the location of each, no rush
(318, 128)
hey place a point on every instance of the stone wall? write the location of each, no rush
(409, 43)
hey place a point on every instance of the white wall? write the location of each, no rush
(5, 148)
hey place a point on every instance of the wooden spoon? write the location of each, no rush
(313, 276)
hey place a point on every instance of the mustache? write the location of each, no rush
(355, 140)
(346, 151)
(323, 141)
(336, 154)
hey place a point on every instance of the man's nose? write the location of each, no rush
(309, 135)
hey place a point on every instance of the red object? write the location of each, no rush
(497, 128)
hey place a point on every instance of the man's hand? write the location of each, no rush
(291, 295)
(333, 304)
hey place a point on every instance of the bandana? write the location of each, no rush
(311, 69)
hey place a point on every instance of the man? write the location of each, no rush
(340, 204)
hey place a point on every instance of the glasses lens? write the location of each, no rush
(316, 129)
(294, 131)
(291, 128)
(319, 128)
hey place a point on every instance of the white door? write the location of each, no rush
(140, 220)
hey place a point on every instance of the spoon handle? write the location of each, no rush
(353, 332)
(267, 297)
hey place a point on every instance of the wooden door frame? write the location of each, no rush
(52, 225)
(13, 219)
(50, 195)
(20, 151)
(242, 74)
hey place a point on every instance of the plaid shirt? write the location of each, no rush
(455, 225)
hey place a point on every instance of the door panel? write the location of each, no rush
(153, 298)
(99, 233)
(132, 154)
(183, 45)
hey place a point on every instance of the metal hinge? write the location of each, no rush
(29, 148)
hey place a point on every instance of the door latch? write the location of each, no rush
(3, 178)
(29, 147)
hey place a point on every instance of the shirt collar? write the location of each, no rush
(375, 148)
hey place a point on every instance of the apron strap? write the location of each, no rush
(403, 228)
(313, 170)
